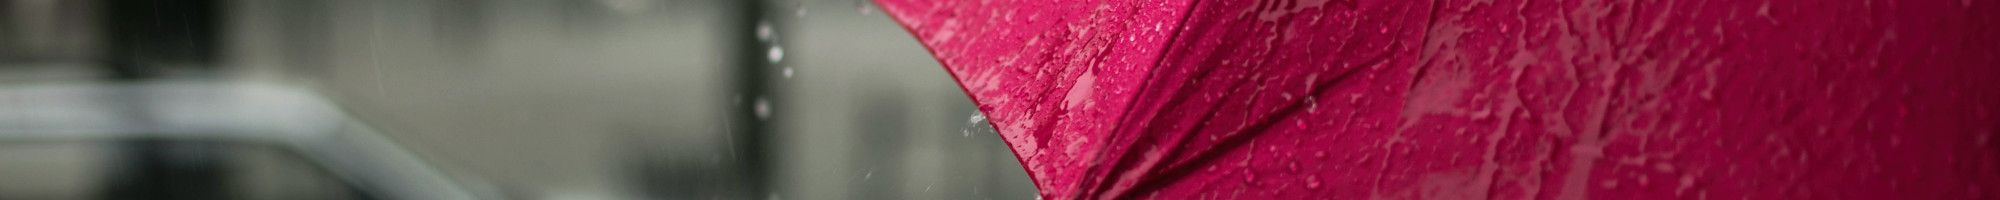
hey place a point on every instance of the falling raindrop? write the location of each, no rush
(975, 123)
(864, 8)
(776, 54)
(763, 109)
(628, 6)
(788, 72)
(977, 117)
(800, 10)
(764, 31)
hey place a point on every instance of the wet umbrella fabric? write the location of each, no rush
(1509, 99)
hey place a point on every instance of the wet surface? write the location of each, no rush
(1508, 99)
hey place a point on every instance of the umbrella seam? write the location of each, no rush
(1144, 88)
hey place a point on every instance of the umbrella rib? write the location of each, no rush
(1315, 92)
(1184, 135)
(1144, 89)
(1180, 142)
(1230, 142)
(1425, 56)
(1175, 172)
(1174, 102)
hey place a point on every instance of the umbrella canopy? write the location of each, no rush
(1511, 99)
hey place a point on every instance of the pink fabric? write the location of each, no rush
(1509, 99)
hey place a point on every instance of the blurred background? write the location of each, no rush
(483, 99)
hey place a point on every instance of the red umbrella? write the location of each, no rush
(1511, 99)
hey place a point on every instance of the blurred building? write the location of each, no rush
(531, 99)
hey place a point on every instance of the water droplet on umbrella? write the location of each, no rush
(1249, 177)
(1312, 104)
(1312, 181)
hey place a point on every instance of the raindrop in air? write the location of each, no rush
(976, 118)
(776, 54)
(764, 31)
(788, 72)
(763, 109)
(628, 6)
(976, 122)
(801, 11)
(864, 8)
